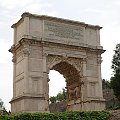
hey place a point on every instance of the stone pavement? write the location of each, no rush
(115, 115)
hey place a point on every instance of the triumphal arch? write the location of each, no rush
(43, 43)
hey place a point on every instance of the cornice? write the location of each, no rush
(25, 96)
(18, 23)
(55, 19)
(43, 43)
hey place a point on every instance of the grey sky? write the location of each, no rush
(104, 13)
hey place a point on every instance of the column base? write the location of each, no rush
(87, 105)
(29, 104)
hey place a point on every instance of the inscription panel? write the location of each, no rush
(65, 31)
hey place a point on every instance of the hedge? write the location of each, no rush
(91, 115)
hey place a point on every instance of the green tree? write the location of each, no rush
(2, 108)
(53, 99)
(1, 104)
(62, 95)
(64, 91)
(115, 80)
(105, 84)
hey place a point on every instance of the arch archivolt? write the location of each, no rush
(52, 60)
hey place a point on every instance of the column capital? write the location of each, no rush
(84, 60)
(26, 52)
(44, 54)
(99, 60)
(14, 59)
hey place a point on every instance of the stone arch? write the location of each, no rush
(72, 76)
(54, 43)
(53, 60)
(71, 69)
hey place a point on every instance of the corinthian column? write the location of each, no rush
(26, 53)
(14, 74)
(99, 61)
(83, 80)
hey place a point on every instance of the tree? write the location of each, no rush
(115, 80)
(2, 108)
(1, 104)
(116, 60)
(105, 84)
(60, 96)
(53, 99)
(64, 91)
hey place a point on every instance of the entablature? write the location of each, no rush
(43, 43)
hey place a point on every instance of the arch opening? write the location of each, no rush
(56, 83)
(72, 79)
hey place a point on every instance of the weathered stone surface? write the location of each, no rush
(43, 43)
(115, 115)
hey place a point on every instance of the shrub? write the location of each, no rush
(91, 115)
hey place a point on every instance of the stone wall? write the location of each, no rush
(58, 107)
(111, 100)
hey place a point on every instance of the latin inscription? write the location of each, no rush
(63, 31)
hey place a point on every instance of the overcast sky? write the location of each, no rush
(105, 13)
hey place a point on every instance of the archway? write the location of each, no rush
(57, 92)
(72, 78)
(56, 83)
